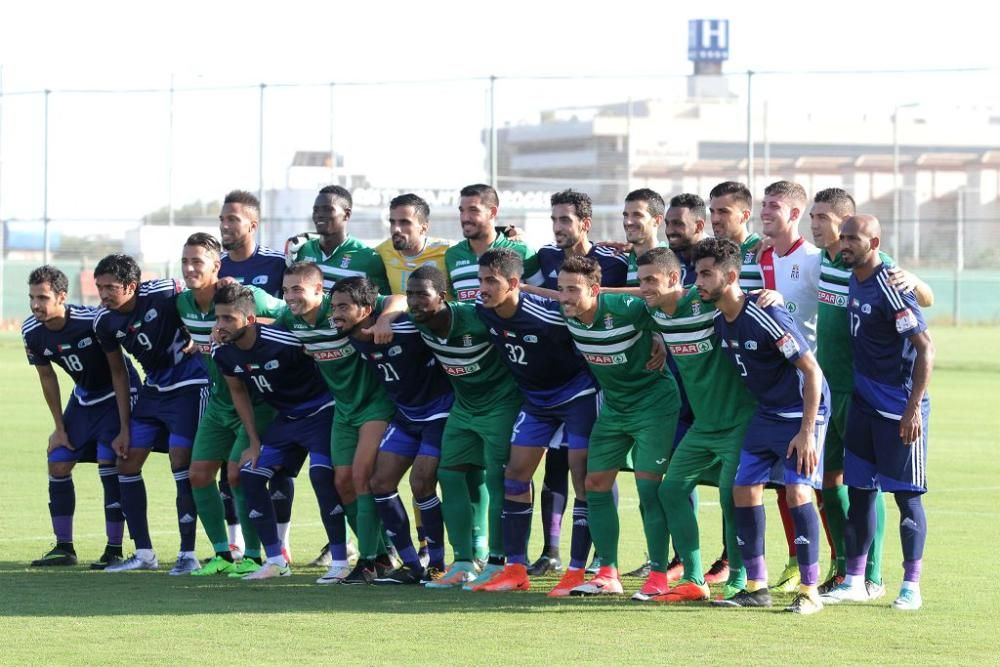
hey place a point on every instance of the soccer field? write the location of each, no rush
(62, 616)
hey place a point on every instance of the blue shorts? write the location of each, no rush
(90, 428)
(287, 441)
(766, 443)
(537, 427)
(876, 457)
(173, 414)
(411, 439)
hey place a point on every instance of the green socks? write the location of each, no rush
(683, 527)
(457, 511)
(251, 540)
(873, 569)
(604, 526)
(835, 504)
(212, 515)
(475, 481)
(654, 523)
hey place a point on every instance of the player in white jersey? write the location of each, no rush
(791, 265)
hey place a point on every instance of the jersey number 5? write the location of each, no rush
(739, 362)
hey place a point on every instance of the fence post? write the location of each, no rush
(959, 254)
(750, 131)
(45, 183)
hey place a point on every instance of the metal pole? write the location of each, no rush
(750, 131)
(45, 184)
(260, 154)
(628, 147)
(333, 157)
(493, 131)
(959, 255)
(895, 183)
(915, 208)
(767, 148)
(170, 168)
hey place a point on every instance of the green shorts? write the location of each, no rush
(479, 440)
(707, 456)
(648, 436)
(221, 436)
(833, 446)
(346, 428)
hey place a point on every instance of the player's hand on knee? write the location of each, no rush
(121, 445)
(803, 449)
(58, 439)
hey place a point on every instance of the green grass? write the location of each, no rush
(77, 616)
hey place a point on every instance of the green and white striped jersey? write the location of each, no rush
(718, 398)
(616, 347)
(351, 381)
(352, 258)
(471, 361)
(750, 275)
(632, 278)
(463, 267)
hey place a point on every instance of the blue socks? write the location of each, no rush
(430, 515)
(62, 506)
(806, 542)
(133, 495)
(114, 520)
(392, 512)
(912, 533)
(580, 542)
(331, 510)
(260, 508)
(187, 513)
(750, 527)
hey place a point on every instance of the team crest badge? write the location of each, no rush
(395, 351)
(609, 321)
(696, 308)
(466, 340)
(271, 365)
(150, 315)
(795, 271)
(345, 261)
(259, 280)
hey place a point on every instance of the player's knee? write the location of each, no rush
(515, 487)
(60, 468)
(673, 491)
(423, 485)
(798, 494)
(201, 476)
(180, 457)
(233, 475)
(597, 483)
(382, 483)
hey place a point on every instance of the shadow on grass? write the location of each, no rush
(79, 592)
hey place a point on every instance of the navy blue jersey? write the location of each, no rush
(688, 272)
(265, 269)
(614, 265)
(75, 349)
(763, 343)
(278, 370)
(152, 333)
(882, 321)
(537, 347)
(409, 371)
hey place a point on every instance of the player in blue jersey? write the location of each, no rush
(250, 263)
(774, 361)
(571, 217)
(63, 334)
(245, 260)
(142, 319)
(414, 381)
(558, 393)
(684, 226)
(886, 435)
(271, 363)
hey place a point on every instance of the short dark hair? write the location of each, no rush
(584, 266)
(789, 190)
(360, 290)
(662, 258)
(725, 253)
(238, 296)
(486, 193)
(206, 241)
(47, 273)
(690, 201)
(582, 205)
(840, 201)
(431, 273)
(339, 192)
(247, 200)
(121, 267)
(418, 203)
(506, 262)
(304, 269)
(654, 202)
(737, 191)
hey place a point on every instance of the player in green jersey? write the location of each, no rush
(478, 207)
(478, 431)
(829, 210)
(220, 436)
(361, 414)
(730, 207)
(722, 408)
(336, 252)
(615, 334)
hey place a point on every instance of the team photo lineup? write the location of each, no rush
(789, 378)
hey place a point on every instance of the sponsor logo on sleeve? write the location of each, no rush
(905, 320)
(788, 346)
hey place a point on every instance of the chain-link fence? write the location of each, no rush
(84, 173)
